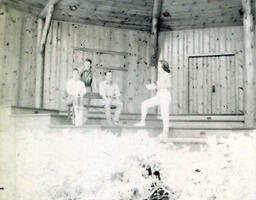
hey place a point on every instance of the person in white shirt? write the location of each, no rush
(162, 98)
(110, 93)
(76, 91)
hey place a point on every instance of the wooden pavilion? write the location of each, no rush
(209, 45)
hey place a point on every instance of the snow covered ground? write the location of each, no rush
(101, 166)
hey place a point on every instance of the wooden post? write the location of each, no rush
(42, 32)
(46, 28)
(154, 54)
(2, 36)
(154, 31)
(39, 66)
(249, 68)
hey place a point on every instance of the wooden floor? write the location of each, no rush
(184, 129)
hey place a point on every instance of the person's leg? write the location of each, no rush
(107, 104)
(69, 104)
(72, 113)
(119, 105)
(76, 110)
(81, 111)
(79, 108)
(164, 106)
(146, 105)
(87, 101)
(144, 109)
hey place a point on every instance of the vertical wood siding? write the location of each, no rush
(17, 62)
(17, 57)
(60, 58)
(176, 46)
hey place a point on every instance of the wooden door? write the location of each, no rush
(213, 88)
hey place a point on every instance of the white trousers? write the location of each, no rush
(163, 100)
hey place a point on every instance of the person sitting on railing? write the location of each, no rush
(110, 93)
(76, 91)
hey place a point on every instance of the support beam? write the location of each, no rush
(43, 27)
(49, 4)
(39, 66)
(249, 68)
(154, 41)
(154, 31)
(156, 15)
(46, 27)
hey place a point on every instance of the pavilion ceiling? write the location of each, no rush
(187, 14)
(137, 14)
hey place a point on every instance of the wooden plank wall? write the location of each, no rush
(175, 47)
(63, 36)
(17, 57)
(2, 35)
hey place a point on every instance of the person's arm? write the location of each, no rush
(102, 91)
(69, 88)
(81, 71)
(151, 86)
(83, 89)
(117, 91)
(94, 84)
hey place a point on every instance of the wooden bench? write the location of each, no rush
(90, 95)
(94, 95)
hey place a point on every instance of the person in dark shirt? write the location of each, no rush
(87, 76)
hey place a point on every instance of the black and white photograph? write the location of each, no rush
(127, 100)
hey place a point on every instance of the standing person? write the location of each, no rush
(76, 90)
(162, 98)
(110, 93)
(89, 81)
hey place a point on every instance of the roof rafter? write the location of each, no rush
(49, 5)
(157, 8)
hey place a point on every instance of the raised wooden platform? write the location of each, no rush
(180, 126)
(186, 121)
(7, 110)
(179, 122)
(184, 129)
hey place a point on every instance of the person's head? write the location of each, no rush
(87, 64)
(163, 66)
(75, 74)
(108, 76)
